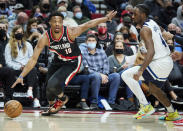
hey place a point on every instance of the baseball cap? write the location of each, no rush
(18, 6)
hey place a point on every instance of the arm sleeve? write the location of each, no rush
(9, 60)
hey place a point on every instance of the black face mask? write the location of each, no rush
(119, 51)
(126, 36)
(2, 33)
(138, 30)
(3, 5)
(173, 32)
(19, 36)
(171, 47)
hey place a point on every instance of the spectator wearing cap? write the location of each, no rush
(22, 19)
(65, 3)
(127, 21)
(67, 20)
(16, 9)
(4, 10)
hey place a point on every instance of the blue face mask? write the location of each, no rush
(64, 14)
(91, 45)
(79, 15)
(33, 30)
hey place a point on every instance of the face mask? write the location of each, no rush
(79, 1)
(33, 30)
(79, 15)
(64, 14)
(102, 30)
(127, 25)
(173, 32)
(126, 36)
(92, 45)
(2, 33)
(138, 30)
(19, 36)
(171, 47)
(119, 51)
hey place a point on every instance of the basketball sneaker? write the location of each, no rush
(145, 110)
(172, 116)
(30, 94)
(54, 108)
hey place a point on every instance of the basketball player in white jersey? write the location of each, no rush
(155, 69)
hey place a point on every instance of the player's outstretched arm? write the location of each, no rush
(77, 31)
(33, 60)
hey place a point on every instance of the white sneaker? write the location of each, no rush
(36, 104)
(30, 94)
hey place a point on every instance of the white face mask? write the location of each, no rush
(91, 45)
(79, 1)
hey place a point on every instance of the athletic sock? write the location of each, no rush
(170, 109)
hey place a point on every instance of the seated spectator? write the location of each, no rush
(179, 19)
(128, 36)
(22, 19)
(4, 10)
(78, 17)
(5, 72)
(104, 37)
(17, 53)
(127, 21)
(35, 11)
(45, 8)
(32, 33)
(98, 67)
(16, 10)
(65, 3)
(67, 20)
(119, 37)
(117, 63)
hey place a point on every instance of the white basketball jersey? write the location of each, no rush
(160, 46)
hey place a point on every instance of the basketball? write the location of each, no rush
(13, 108)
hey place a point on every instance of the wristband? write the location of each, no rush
(21, 77)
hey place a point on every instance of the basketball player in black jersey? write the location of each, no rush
(67, 59)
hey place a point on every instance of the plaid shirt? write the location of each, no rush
(97, 62)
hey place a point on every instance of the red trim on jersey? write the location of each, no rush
(69, 37)
(65, 57)
(48, 38)
(60, 35)
(75, 72)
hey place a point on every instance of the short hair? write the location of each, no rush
(76, 6)
(91, 36)
(55, 14)
(143, 8)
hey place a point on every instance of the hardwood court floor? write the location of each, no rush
(31, 120)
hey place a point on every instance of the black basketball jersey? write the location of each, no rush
(63, 48)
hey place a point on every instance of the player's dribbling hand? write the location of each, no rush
(111, 14)
(137, 75)
(19, 80)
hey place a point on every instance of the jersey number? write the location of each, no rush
(68, 50)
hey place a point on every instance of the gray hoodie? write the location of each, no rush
(179, 19)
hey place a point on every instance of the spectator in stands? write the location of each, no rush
(32, 33)
(178, 21)
(111, 25)
(35, 11)
(118, 37)
(128, 36)
(22, 19)
(5, 72)
(172, 28)
(17, 53)
(65, 3)
(79, 18)
(178, 31)
(127, 21)
(16, 10)
(117, 63)
(82, 4)
(45, 8)
(104, 37)
(4, 10)
(98, 67)
(67, 20)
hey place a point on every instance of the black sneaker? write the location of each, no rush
(93, 106)
(114, 106)
(177, 101)
(53, 109)
(83, 105)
